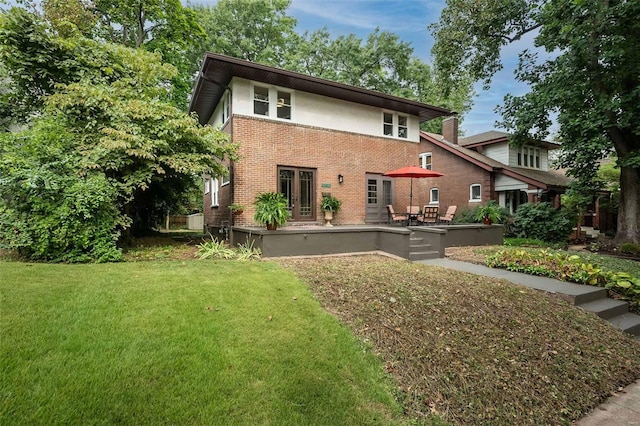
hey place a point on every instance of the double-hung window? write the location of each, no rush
(387, 124)
(475, 192)
(284, 105)
(271, 102)
(403, 126)
(425, 160)
(214, 192)
(395, 125)
(261, 100)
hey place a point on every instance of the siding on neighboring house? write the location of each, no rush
(500, 152)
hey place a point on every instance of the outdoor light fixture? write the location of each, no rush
(340, 178)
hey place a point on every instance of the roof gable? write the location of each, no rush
(535, 177)
(218, 70)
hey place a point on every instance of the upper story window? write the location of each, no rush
(395, 125)
(272, 102)
(425, 160)
(207, 186)
(261, 100)
(226, 107)
(529, 157)
(475, 192)
(284, 105)
(403, 126)
(387, 124)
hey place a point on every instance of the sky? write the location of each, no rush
(409, 19)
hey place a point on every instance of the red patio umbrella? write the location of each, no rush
(413, 172)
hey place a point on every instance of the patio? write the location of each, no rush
(408, 242)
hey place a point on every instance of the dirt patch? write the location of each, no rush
(471, 349)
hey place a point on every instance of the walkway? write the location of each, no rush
(620, 410)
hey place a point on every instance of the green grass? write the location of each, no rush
(179, 343)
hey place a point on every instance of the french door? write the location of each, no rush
(379, 192)
(298, 186)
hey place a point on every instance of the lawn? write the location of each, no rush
(343, 340)
(179, 342)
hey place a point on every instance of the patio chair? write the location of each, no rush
(429, 215)
(396, 217)
(448, 216)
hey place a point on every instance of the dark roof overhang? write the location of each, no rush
(218, 70)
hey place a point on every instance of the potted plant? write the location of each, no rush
(236, 209)
(330, 205)
(489, 213)
(272, 209)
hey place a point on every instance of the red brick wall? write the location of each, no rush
(459, 176)
(265, 144)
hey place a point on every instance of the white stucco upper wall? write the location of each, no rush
(318, 111)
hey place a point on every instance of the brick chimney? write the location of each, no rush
(450, 129)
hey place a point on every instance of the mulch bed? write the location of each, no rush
(470, 349)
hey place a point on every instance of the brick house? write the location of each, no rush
(305, 136)
(486, 167)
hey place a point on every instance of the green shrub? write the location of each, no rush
(567, 267)
(630, 248)
(51, 209)
(472, 215)
(543, 222)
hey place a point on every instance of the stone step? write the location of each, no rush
(628, 322)
(423, 255)
(606, 308)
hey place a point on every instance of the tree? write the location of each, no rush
(589, 79)
(111, 103)
(253, 30)
(383, 62)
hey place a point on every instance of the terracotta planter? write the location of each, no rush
(272, 226)
(486, 221)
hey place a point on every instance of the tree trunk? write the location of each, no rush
(629, 211)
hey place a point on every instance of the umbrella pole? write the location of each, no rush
(410, 200)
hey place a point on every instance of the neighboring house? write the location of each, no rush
(306, 136)
(486, 167)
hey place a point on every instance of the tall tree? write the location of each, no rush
(254, 30)
(111, 103)
(382, 62)
(590, 79)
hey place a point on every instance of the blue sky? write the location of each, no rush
(409, 20)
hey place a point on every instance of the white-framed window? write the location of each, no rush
(475, 192)
(226, 107)
(529, 157)
(283, 105)
(207, 186)
(387, 124)
(403, 126)
(425, 160)
(272, 102)
(261, 100)
(395, 125)
(434, 197)
(214, 192)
